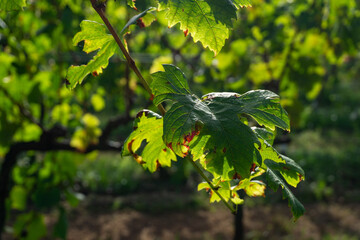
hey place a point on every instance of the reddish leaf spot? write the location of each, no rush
(95, 73)
(140, 23)
(301, 177)
(135, 128)
(189, 137)
(129, 146)
(152, 97)
(139, 115)
(233, 195)
(186, 32)
(158, 165)
(286, 168)
(164, 149)
(253, 166)
(136, 156)
(169, 145)
(224, 150)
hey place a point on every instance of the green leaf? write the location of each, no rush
(242, 3)
(95, 38)
(213, 122)
(291, 171)
(263, 105)
(12, 5)
(224, 189)
(274, 181)
(135, 18)
(268, 152)
(252, 188)
(169, 84)
(148, 129)
(265, 134)
(207, 21)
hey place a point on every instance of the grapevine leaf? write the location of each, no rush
(213, 122)
(95, 37)
(242, 3)
(224, 189)
(265, 134)
(274, 181)
(268, 152)
(263, 105)
(252, 188)
(136, 18)
(149, 128)
(255, 189)
(207, 21)
(169, 84)
(291, 171)
(12, 5)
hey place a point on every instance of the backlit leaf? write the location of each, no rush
(274, 181)
(148, 129)
(291, 171)
(213, 122)
(207, 21)
(242, 3)
(95, 38)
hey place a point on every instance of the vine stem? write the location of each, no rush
(99, 8)
(212, 186)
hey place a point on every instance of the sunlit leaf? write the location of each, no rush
(148, 130)
(95, 38)
(207, 21)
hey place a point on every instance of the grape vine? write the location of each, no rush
(213, 131)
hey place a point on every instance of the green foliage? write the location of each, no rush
(95, 37)
(210, 130)
(274, 181)
(12, 5)
(148, 127)
(215, 116)
(204, 24)
(207, 21)
(301, 50)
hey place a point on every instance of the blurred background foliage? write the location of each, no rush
(307, 51)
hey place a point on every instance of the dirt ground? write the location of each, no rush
(177, 217)
(321, 221)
